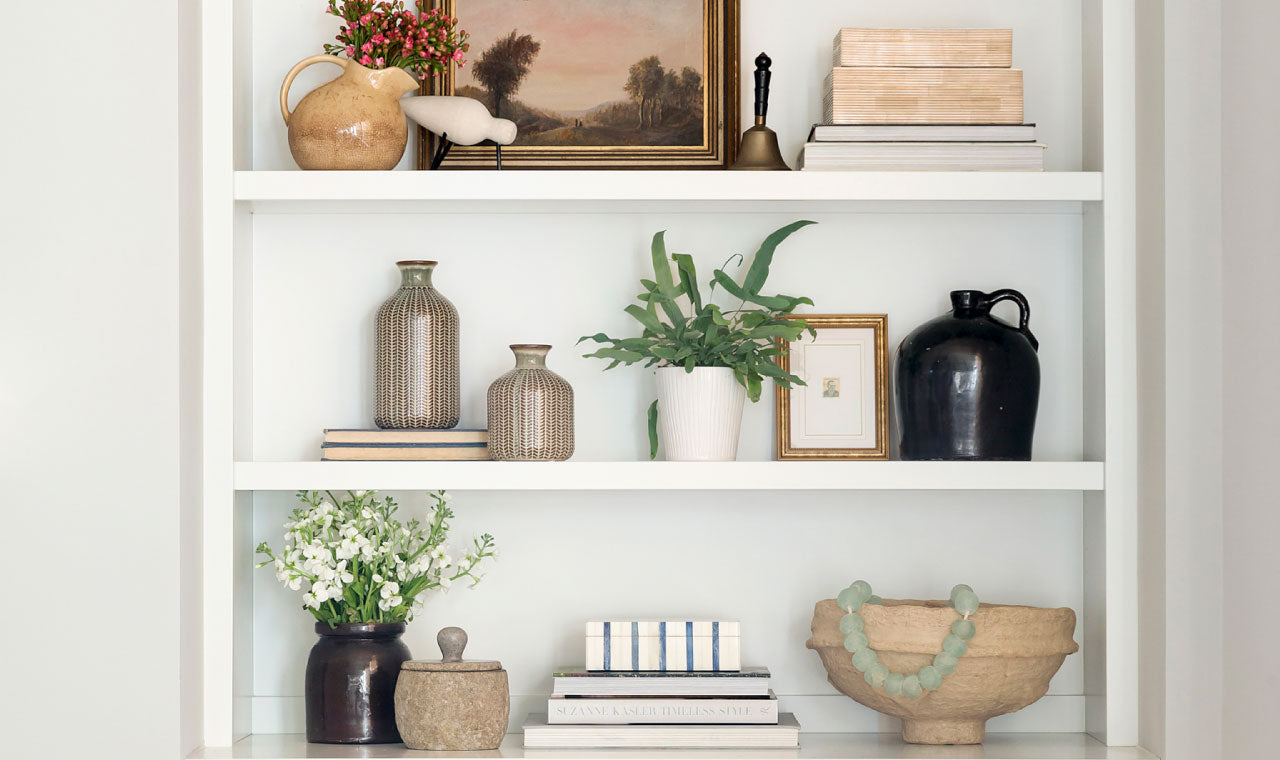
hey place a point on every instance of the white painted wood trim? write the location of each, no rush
(668, 186)
(1120, 288)
(817, 713)
(813, 746)
(217, 86)
(672, 476)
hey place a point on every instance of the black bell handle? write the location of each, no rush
(1024, 311)
(762, 75)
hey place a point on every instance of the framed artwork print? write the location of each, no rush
(616, 84)
(843, 410)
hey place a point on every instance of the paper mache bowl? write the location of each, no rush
(1008, 664)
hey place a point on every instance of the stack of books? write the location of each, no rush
(344, 445)
(923, 99)
(662, 684)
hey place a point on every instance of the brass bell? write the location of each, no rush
(759, 150)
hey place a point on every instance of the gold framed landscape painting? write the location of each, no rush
(616, 84)
(842, 412)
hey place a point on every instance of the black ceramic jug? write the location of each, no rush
(968, 384)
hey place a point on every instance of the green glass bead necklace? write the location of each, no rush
(929, 677)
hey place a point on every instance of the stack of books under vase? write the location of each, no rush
(408, 445)
(662, 685)
(923, 99)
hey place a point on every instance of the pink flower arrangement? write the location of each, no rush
(383, 34)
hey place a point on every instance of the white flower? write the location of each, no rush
(446, 496)
(310, 600)
(377, 578)
(342, 574)
(322, 592)
(388, 604)
(360, 494)
(389, 589)
(445, 582)
(295, 582)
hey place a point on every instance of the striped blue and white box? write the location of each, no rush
(664, 645)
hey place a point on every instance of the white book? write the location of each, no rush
(539, 734)
(639, 710)
(953, 157)
(923, 133)
(580, 682)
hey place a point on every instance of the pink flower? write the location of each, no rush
(367, 47)
(365, 60)
(379, 61)
(351, 51)
(457, 55)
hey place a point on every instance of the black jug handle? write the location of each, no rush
(1024, 311)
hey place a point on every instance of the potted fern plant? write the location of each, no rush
(709, 358)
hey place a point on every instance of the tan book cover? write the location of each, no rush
(974, 48)
(404, 435)
(404, 453)
(853, 95)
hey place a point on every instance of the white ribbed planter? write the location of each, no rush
(699, 413)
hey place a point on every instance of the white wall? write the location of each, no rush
(1251, 365)
(89, 393)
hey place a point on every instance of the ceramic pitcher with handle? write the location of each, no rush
(353, 122)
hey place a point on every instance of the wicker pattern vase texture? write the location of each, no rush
(417, 367)
(531, 410)
(1010, 660)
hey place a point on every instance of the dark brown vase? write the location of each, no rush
(351, 683)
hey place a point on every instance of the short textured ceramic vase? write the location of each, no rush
(699, 413)
(351, 683)
(967, 384)
(530, 410)
(353, 122)
(417, 365)
(452, 704)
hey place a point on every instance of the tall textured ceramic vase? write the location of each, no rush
(352, 122)
(530, 410)
(699, 413)
(351, 683)
(417, 366)
(968, 385)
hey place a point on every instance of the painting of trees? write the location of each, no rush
(660, 92)
(504, 66)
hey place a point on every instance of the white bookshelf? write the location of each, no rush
(672, 476)
(869, 746)
(294, 263)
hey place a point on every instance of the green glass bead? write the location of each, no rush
(945, 663)
(966, 602)
(930, 678)
(911, 687)
(863, 659)
(957, 589)
(893, 684)
(955, 646)
(963, 628)
(850, 599)
(855, 640)
(875, 600)
(850, 623)
(876, 674)
(863, 588)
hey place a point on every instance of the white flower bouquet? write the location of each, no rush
(361, 565)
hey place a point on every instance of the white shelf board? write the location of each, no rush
(674, 186)
(672, 476)
(812, 747)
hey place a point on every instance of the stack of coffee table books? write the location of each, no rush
(662, 684)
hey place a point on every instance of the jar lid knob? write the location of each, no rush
(452, 641)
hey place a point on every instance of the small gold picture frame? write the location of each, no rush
(843, 410)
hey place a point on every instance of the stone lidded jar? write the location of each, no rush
(417, 365)
(452, 704)
(967, 384)
(530, 410)
(351, 683)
